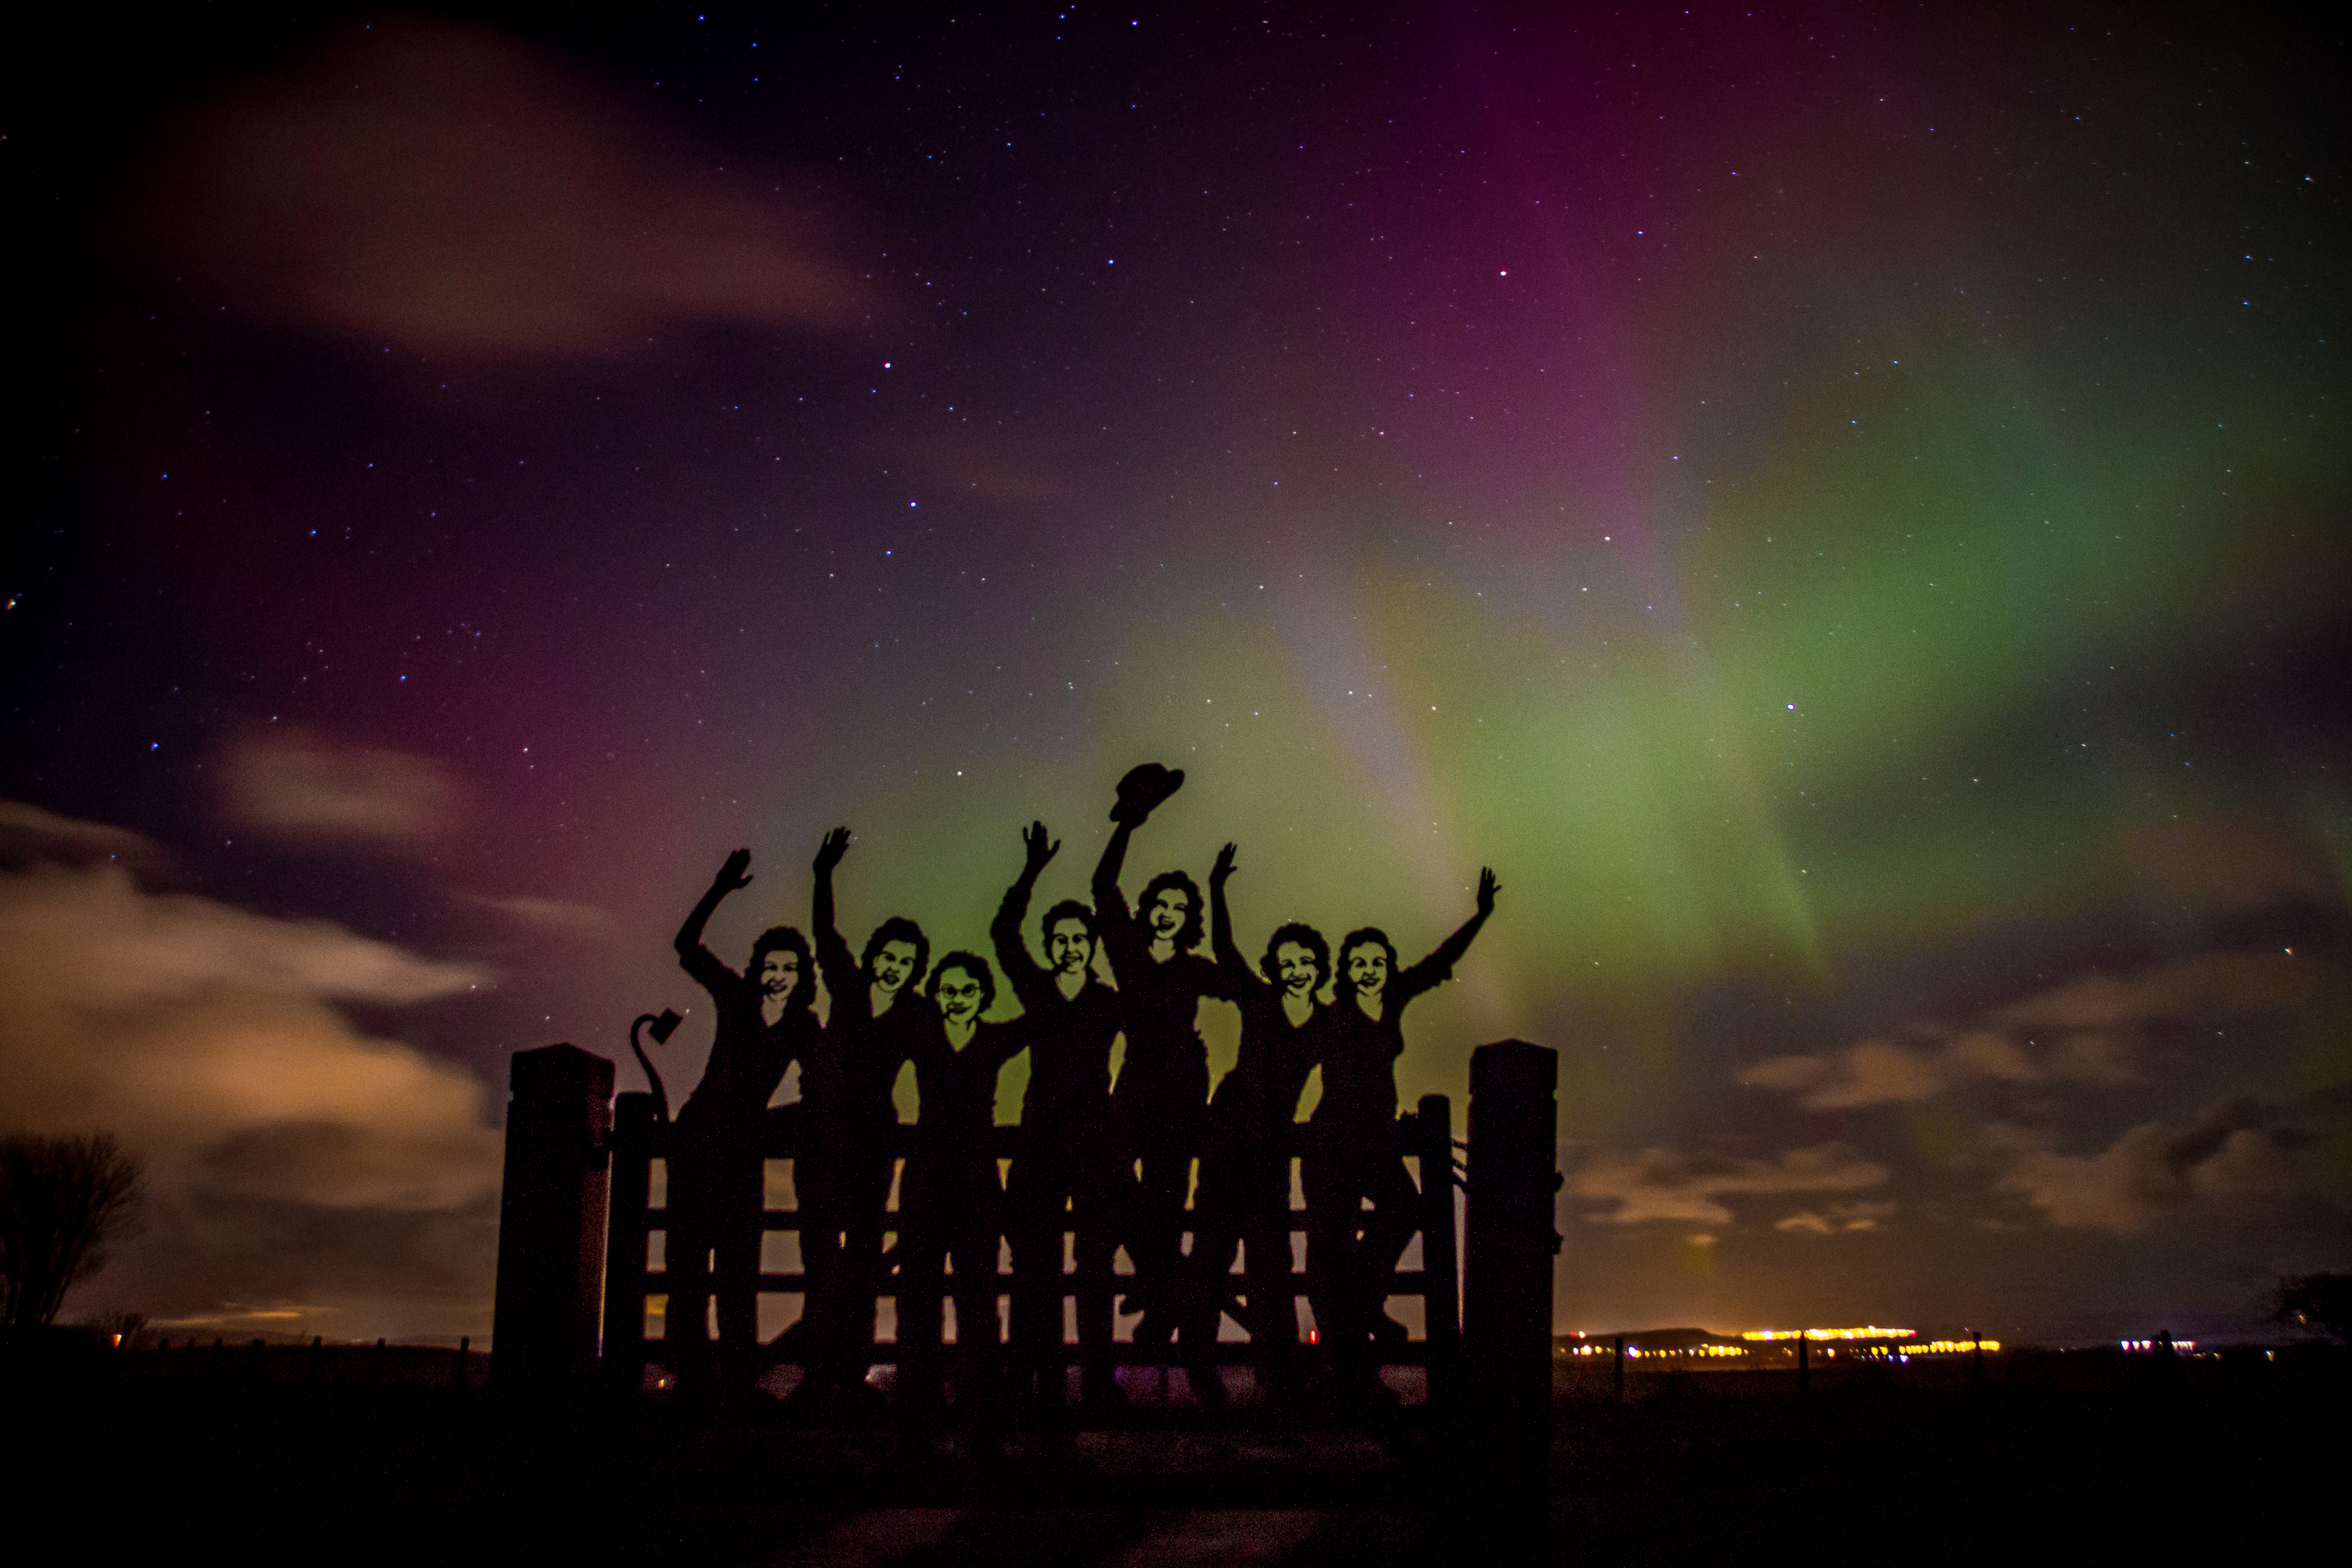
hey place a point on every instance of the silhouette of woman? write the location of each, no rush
(878, 1017)
(712, 1223)
(1245, 1189)
(949, 1202)
(1163, 1094)
(1356, 1159)
(1066, 1176)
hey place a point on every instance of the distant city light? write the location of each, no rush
(1784, 1340)
(2143, 1347)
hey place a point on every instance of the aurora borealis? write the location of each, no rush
(1841, 506)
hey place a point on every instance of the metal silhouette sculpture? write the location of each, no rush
(1245, 1188)
(1088, 1169)
(1163, 1094)
(664, 1025)
(716, 1194)
(878, 1021)
(1067, 1175)
(1356, 1159)
(950, 1202)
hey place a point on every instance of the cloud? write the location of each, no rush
(2151, 1170)
(2090, 1058)
(553, 917)
(2227, 866)
(2207, 982)
(458, 193)
(1839, 1218)
(1880, 1072)
(208, 1038)
(1659, 1183)
(29, 836)
(1875, 1071)
(105, 945)
(1787, 1073)
(298, 786)
(2093, 1015)
(258, 1265)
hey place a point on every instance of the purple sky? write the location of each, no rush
(1841, 506)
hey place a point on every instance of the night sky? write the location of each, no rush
(1843, 506)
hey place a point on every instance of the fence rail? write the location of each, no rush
(1423, 1142)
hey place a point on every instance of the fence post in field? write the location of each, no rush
(551, 1218)
(1509, 1243)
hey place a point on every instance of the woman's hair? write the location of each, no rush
(1188, 936)
(1371, 936)
(1067, 909)
(1306, 936)
(899, 928)
(971, 964)
(804, 991)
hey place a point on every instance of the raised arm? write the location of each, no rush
(1022, 972)
(1123, 938)
(1438, 967)
(1110, 903)
(1231, 965)
(1140, 793)
(843, 983)
(692, 956)
(1230, 976)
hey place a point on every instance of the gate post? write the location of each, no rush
(1507, 1301)
(635, 1117)
(551, 1218)
(1440, 1270)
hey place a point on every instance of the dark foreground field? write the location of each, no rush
(2093, 1455)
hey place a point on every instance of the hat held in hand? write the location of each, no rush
(1144, 787)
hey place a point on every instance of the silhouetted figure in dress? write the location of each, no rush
(1162, 1095)
(1353, 1251)
(1067, 1175)
(1244, 1190)
(950, 1202)
(713, 1220)
(878, 1019)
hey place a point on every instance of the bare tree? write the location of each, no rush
(2320, 1302)
(61, 1200)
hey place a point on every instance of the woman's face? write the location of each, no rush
(957, 991)
(780, 972)
(893, 964)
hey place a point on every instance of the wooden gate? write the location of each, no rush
(635, 1285)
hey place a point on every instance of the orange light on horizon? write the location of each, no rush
(1871, 1331)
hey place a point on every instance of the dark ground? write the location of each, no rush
(279, 1458)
